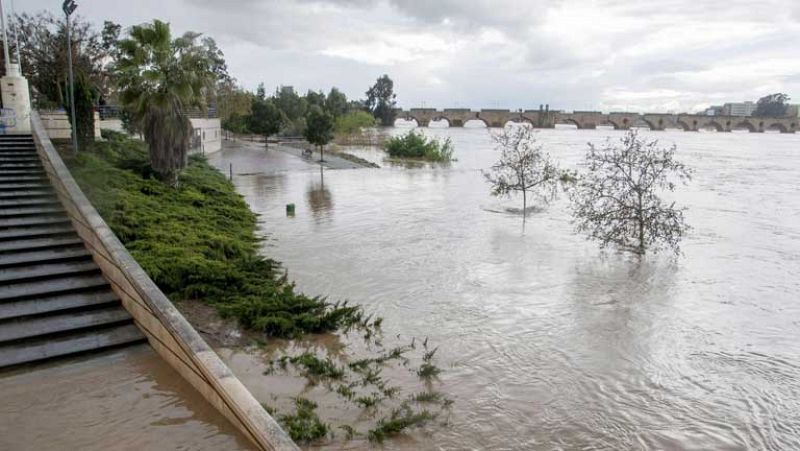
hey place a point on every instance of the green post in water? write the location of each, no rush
(289, 209)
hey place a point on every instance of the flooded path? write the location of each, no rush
(546, 342)
(124, 400)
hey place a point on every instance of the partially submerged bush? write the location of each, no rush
(304, 425)
(198, 241)
(417, 146)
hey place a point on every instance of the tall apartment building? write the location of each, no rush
(738, 109)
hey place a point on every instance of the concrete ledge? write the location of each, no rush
(166, 329)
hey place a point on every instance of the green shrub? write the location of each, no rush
(353, 122)
(304, 426)
(417, 146)
(198, 241)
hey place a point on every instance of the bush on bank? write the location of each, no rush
(417, 146)
(353, 122)
(198, 241)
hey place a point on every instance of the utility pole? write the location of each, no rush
(69, 7)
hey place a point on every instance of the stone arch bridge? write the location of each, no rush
(456, 117)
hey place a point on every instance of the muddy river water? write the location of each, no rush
(124, 400)
(546, 342)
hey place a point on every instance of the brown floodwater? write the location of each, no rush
(546, 342)
(123, 400)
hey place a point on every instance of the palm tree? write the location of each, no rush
(159, 78)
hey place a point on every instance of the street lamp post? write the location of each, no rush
(69, 7)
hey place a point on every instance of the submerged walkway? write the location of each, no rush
(54, 301)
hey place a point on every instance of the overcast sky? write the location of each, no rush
(654, 55)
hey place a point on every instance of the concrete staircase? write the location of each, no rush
(54, 300)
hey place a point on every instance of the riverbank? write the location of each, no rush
(199, 244)
(333, 159)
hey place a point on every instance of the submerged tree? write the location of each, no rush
(618, 200)
(159, 79)
(523, 167)
(319, 128)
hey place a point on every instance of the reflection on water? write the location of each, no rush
(126, 400)
(319, 198)
(547, 342)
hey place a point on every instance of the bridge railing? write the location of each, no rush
(166, 329)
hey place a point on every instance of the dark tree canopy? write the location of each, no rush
(381, 100)
(618, 200)
(773, 105)
(43, 51)
(336, 103)
(265, 118)
(319, 127)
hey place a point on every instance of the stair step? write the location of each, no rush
(6, 172)
(22, 246)
(44, 256)
(44, 325)
(18, 152)
(20, 163)
(34, 210)
(48, 304)
(28, 202)
(24, 193)
(15, 179)
(28, 162)
(47, 270)
(31, 290)
(26, 221)
(31, 351)
(28, 185)
(41, 231)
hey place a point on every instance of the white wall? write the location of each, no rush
(57, 124)
(208, 133)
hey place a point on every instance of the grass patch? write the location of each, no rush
(315, 367)
(417, 146)
(400, 420)
(428, 370)
(199, 241)
(304, 425)
(429, 397)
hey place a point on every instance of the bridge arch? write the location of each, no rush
(607, 122)
(518, 120)
(715, 125)
(777, 126)
(405, 120)
(650, 123)
(470, 123)
(441, 119)
(746, 125)
(569, 121)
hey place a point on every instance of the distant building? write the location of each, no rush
(713, 110)
(738, 109)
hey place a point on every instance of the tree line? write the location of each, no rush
(157, 79)
(287, 113)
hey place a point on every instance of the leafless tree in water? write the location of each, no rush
(523, 167)
(618, 200)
